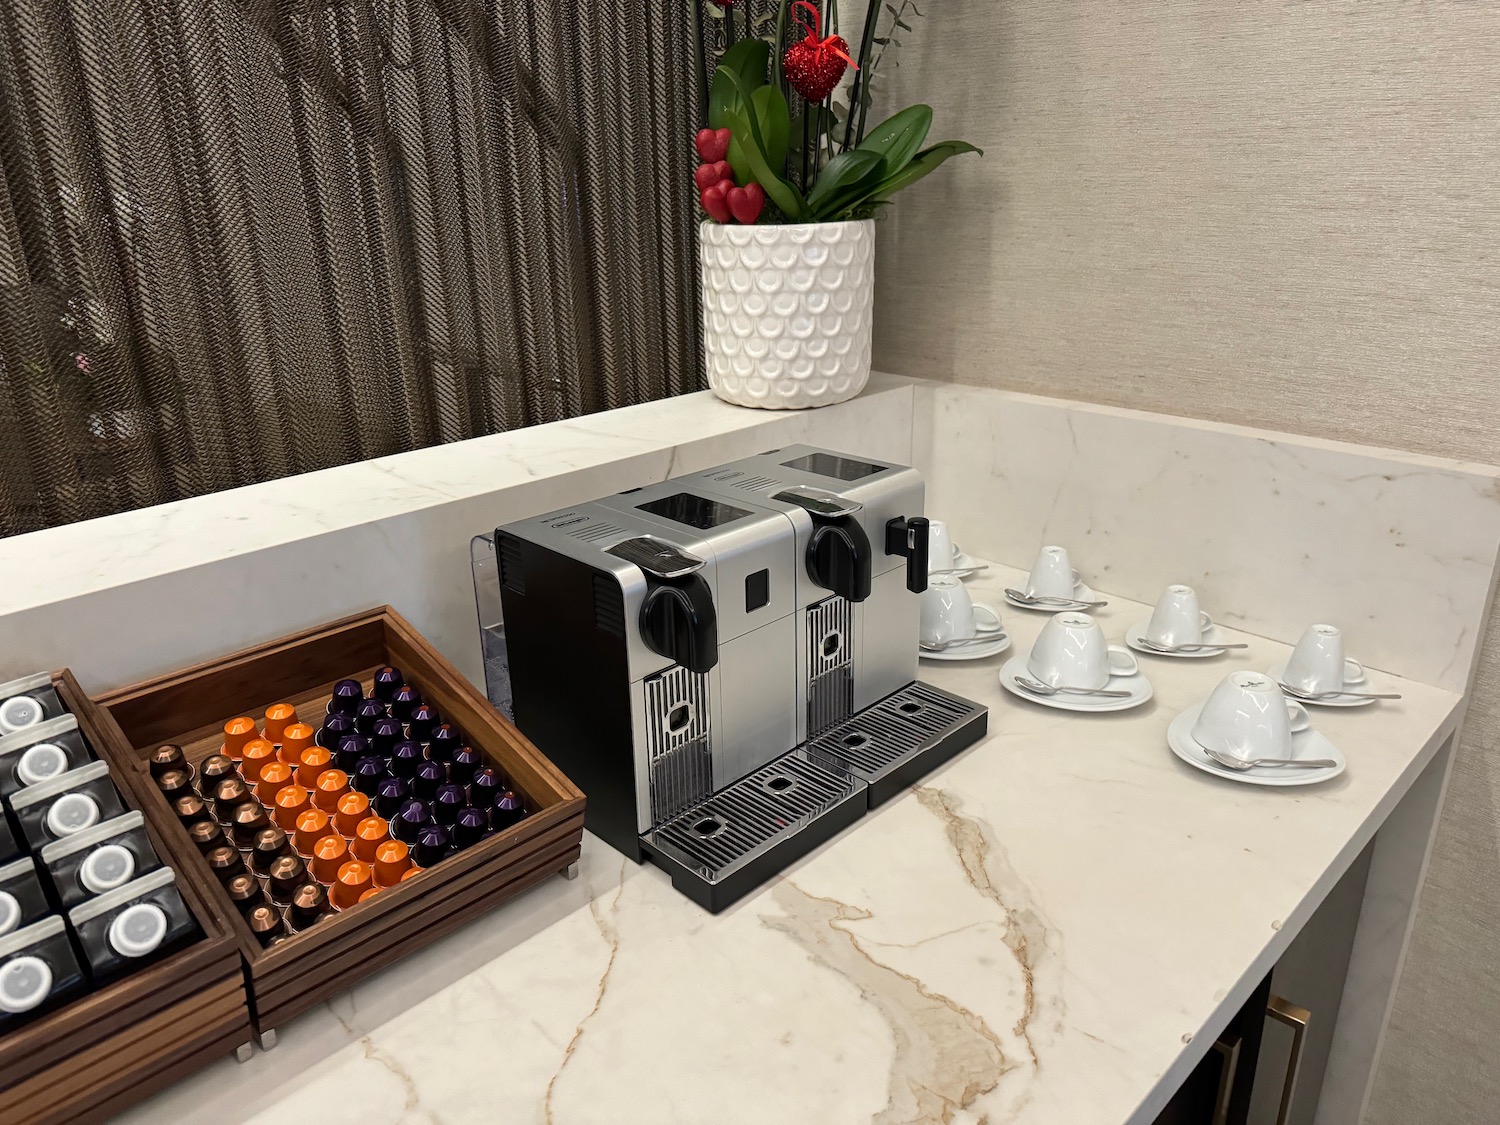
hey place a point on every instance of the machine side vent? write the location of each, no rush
(830, 664)
(512, 574)
(757, 484)
(609, 606)
(678, 741)
(592, 532)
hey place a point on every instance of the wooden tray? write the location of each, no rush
(190, 709)
(114, 1046)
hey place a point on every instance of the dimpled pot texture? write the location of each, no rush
(786, 312)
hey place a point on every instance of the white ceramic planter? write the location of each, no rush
(786, 312)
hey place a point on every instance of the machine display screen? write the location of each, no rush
(694, 511)
(829, 465)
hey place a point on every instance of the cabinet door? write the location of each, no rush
(1217, 1092)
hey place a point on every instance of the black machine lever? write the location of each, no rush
(908, 537)
(678, 621)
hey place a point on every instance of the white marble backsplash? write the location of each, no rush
(1276, 532)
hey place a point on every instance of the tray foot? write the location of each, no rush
(267, 1039)
(243, 1052)
(570, 871)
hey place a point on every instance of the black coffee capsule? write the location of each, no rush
(309, 903)
(387, 680)
(347, 696)
(166, 758)
(507, 811)
(265, 924)
(432, 846)
(424, 720)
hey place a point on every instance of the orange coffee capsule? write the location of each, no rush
(371, 893)
(278, 717)
(315, 760)
(369, 834)
(294, 742)
(354, 879)
(237, 732)
(328, 855)
(312, 826)
(332, 785)
(392, 859)
(411, 873)
(291, 802)
(254, 754)
(353, 808)
(274, 777)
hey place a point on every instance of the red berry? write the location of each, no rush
(715, 202)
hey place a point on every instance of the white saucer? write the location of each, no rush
(1305, 744)
(1081, 591)
(962, 560)
(1138, 686)
(976, 651)
(1278, 670)
(1136, 632)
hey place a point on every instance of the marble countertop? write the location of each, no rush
(1050, 928)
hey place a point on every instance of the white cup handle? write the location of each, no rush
(1358, 673)
(1125, 665)
(981, 626)
(1205, 622)
(1298, 715)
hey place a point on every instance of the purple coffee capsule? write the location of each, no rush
(392, 794)
(406, 757)
(446, 802)
(387, 680)
(369, 772)
(507, 811)
(484, 787)
(405, 701)
(367, 714)
(465, 761)
(432, 846)
(352, 747)
(470, 826)
(444, 743)
(410, 818)
(335, 727)
(347, 695)
(423, 719)
(429, 776)
(385, 735)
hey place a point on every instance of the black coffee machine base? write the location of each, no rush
(725, 846)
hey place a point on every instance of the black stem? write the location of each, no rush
(867, 40)
(806, 111)
(728, 27)
(700, 55)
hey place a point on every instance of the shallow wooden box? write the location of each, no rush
(115, 1046)
(190, 708)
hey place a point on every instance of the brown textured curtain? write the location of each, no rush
(246, 238)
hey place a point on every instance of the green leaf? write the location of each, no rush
(774, 121)
(897, 139)
(928, 160)
(781, 193)
(848, 172)
(746, 61)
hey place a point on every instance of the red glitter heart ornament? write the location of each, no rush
(815, 64)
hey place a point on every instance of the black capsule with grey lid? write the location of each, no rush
(66, 804)
(40, 753)
(39, 970)
(125, 928)
(100, 859)
(23, 901)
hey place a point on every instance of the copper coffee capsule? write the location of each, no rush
(225, 862)
(192, 808)
(166, 758)
(206, 834)
(309, 903)
(175, 783)
(247, 822)
(286, 874)
(265, 923)
(244, 891)
(270, 843)
(216, 768)
(230, 793)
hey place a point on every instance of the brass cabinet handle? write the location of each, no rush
(1228, 1045)
(1284, 1011)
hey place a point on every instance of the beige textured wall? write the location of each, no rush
(1285, 214)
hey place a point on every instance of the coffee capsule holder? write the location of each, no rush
(189, 708)
(113, 1046)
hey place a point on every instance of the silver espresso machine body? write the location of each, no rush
(855, 646)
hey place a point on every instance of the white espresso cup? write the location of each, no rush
(1317, 664)
(1177, 620)
(1052, 575)
(949, 614)
(940, 552)
(1248, 717)
(1070, 651)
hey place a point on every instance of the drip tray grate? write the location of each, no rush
(729, 843)
(894, 743)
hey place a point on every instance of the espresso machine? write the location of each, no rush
(725, 662)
